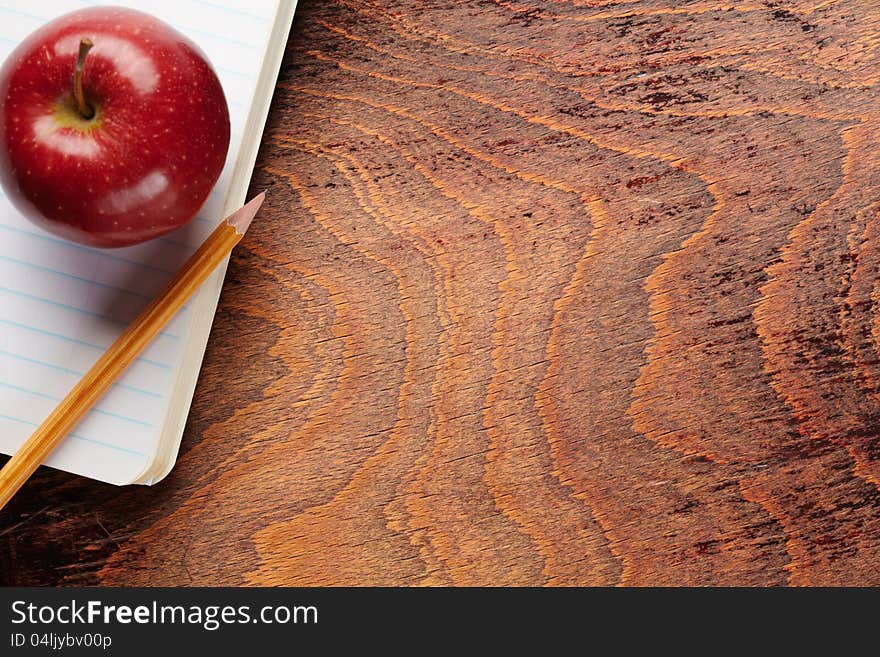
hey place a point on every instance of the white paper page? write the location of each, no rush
(62, 304)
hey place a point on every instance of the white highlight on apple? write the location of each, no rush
(131, 62)
(64, 140)
(148, 188)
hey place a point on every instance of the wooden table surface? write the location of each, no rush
(545, 292)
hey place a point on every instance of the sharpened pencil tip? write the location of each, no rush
(241, 219)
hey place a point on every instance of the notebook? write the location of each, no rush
(62, 304)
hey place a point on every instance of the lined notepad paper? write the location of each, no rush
(62, 304)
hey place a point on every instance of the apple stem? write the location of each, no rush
(87, 112)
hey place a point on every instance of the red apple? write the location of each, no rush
(112, 145)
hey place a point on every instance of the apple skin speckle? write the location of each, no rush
(145, 163)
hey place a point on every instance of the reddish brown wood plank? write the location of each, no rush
(548, 292)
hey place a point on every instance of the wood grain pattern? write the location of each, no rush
(545, 292)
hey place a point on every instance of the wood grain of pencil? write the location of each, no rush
(125, 349)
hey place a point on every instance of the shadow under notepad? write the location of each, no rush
(151, 265)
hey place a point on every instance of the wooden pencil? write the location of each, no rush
(125, 350)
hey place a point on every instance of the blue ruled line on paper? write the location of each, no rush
(66, 306)
(67, 370)
(67, 338)
(23, 14)
(186, 246)
(12, 418)
(231, 10)
(211, 35)
(231, 71)
(44, 395)
(50, 270)
(79, 247)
